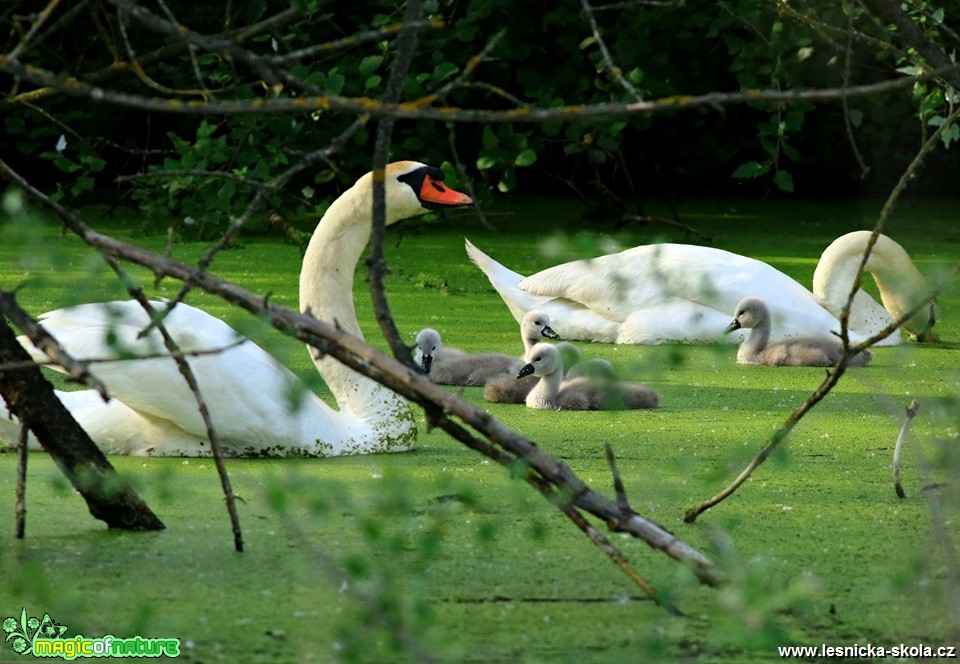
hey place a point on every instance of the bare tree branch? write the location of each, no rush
(849, 350)
(377, 264)
(119, 68)
(612, 68)
(42, 17)
(356, 40)
(184, 367)
(31, 398)
(78, 371)
(413, 110)
(21, 498)
(911, 413)
(371, 362)
(892, 11)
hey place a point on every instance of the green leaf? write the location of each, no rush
(370, 63)
(372, 82)
(525, 158)
(950, 134)
(751, 169)
(445, 70)
(490, 140)
(486, 162)
(15, 125)
(783, 180)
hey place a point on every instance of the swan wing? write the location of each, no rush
(256, 403)
(679, 292)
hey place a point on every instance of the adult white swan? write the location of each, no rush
(676, 292)
(258, 406)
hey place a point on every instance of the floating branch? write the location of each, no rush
(911, 413)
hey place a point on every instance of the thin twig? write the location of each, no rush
(377, 264)
(118, 68)
(7, 366)
(905, 178)
(357, 39)
(648, 219)
(622, 501)
(829, 382)
(549, 491)
(22, 482)
(373, 363)
(185, 370)
(412, 111)
(76, 369)
(847, 122)
(465, 177)
(612, 68)
(911, 413)
(42, 18)
(849, 350)
(308, 161)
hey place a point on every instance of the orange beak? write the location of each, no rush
(436, 193)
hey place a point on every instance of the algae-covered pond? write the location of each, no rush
(439, 555)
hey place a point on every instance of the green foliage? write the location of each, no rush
(546, 58)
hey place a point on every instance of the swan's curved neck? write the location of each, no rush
(756, 342)
(326, 291)
(897, 279)
(326, 277)
(544, 393)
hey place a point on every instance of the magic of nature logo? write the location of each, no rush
(44, 637)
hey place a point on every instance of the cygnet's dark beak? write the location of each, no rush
(735, 325)
(426, 362)
(525, 370)
(548, 332)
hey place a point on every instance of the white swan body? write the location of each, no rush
(675, 292)
(258, 407)
(822, 350)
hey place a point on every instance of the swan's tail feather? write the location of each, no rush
(505, 281)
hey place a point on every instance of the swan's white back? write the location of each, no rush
(250, 396)
(656, 293)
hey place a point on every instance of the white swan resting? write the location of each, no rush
(676, 292)
(251, 397)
